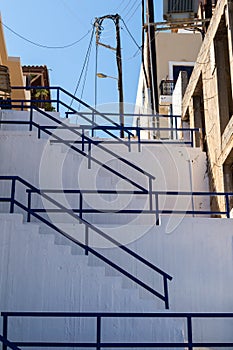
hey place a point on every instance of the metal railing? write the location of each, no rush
(7, 344)
(26, 208)
(137, 135)
(60, 102)
(90, 115)
(103, 319)
(167, 87)
(154, 205)
(84, 140)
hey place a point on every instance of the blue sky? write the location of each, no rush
(61, 22)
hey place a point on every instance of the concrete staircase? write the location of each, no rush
(40, 270)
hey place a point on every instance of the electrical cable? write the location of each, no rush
(96, 70)
(45, 46)
(84, 64)
(122, 2)
(134, 10)
(130, 34)
(127, 5)
(129, 19)
(85, 75)
(72, 12)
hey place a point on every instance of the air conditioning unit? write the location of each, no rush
(180, 9)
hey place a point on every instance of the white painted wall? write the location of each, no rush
(40, 275)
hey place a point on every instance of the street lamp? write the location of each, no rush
(102, 75)
(121, 106)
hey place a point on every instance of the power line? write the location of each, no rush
(122, 2)
(132, 9)
(45, 46)
(86, 60)
(85, 74)
(127, 6)
(130, 34)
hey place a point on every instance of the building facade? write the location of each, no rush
(208, 101)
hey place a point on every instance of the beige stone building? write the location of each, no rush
(208, 101)
(176, 52)
(14, 68)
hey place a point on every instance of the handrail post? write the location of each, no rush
(81, 206)
(227, 205)
(129, 142)
(12, 196)
(93, 121)
(138, 133)
(98, 333)
(190, 333)
(191, 136)
(150, 193)
(31, 118)
(157, 208)
(139, 138)
(176, 127)
(82, 139)
(165, 288)
(5, 330)
(89, 154)
(58, 98)
(29, 206)
(86, 240)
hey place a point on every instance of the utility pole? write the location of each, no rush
(120, 82)
(98, 25)
(208, 11)
(152, 61)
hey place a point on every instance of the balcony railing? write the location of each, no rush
(166, 87)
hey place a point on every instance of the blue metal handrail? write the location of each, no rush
(98, 329)
(8, 344)
(59, 102)
(81, 210)
(13, 202)
(137, 132)
(24, 105)
(90, 142)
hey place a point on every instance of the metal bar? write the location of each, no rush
(14, 345)
(8, 343)
(190, 333)
(29, 206)
(86, 239)
(227, 205)
(81, 206)
(165, 287)
(191, 136)
(98, 333)
(89, 155)
(157, 209)
(93, 122)
(13, 183)
(129, 143)
(82, 140)
(169, 314)
(150, 194)
(5, 330)
(58, 98)
(31, 119)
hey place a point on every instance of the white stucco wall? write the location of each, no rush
(41, 271)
